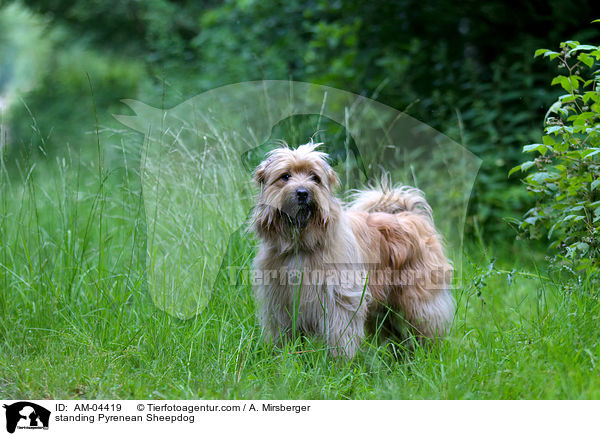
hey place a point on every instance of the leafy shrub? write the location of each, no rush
(438, 61)
(61, 107)
(565, 170)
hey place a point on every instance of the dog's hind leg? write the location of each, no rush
(422, 293)
(428, 312)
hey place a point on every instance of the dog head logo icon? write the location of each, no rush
(24, 414)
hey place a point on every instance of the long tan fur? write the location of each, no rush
(324, 269)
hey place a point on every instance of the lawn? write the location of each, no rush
(78, 321)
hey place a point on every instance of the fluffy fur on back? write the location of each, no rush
(331, 271)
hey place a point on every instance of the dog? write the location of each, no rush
(331, 270)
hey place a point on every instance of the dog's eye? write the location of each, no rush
(285, 177)
(315, 178)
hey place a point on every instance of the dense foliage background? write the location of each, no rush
(466, 69)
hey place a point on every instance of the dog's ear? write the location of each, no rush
(334, 180)
(260, 173)
(332, 177)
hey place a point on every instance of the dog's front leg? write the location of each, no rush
(273, 316)
(346, 330)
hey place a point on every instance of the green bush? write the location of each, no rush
(440, 62)
(564, 172)
(61, 109)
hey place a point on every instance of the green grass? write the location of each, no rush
(78, 321)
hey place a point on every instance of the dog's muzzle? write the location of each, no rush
(299, 207)
(303, 196)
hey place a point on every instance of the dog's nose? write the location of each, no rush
(302, 195)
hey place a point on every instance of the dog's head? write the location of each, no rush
(295, 202)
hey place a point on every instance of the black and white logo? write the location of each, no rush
(26, 415)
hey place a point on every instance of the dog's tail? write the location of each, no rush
(391, 199)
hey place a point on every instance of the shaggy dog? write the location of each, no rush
(333, 271)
